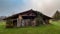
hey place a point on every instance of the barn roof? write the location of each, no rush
(16, 15)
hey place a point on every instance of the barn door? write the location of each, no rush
(23, 23)
(26, 22)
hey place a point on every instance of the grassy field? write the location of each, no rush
(54, 28)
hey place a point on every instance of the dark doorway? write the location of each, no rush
(15, 23)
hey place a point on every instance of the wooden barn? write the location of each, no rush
(27, 18)
(56, 16)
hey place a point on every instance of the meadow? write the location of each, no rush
(53, 28)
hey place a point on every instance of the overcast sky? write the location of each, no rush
(9, 7)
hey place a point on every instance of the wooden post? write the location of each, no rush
(19, 21)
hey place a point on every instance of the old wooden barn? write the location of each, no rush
(27, 18)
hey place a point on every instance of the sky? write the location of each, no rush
(10, 7)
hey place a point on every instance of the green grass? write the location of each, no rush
(54, 28)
